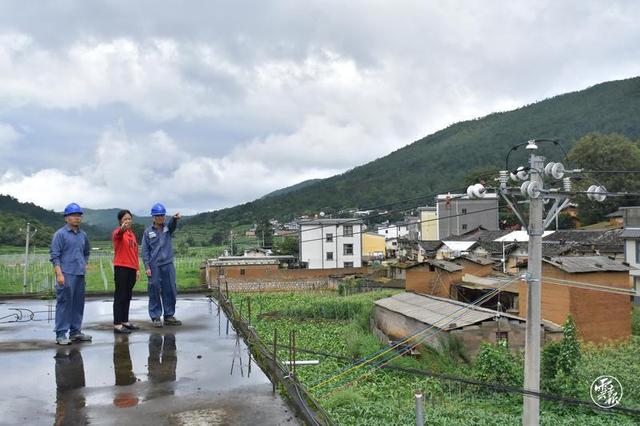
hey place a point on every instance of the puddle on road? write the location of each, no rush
(153, 373)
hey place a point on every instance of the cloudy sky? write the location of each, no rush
(207, 104)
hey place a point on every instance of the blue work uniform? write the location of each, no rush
(157, 255)
(70, 250)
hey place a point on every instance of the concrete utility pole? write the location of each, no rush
(26, 259)
(531, 407)
(531, 186)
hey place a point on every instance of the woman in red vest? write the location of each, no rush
(126, 271)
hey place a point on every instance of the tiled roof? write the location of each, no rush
(577, 264)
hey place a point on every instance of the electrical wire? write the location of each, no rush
(416, 223)
(357, 365)
(588, 286)
(355, 220)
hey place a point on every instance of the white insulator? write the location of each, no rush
(523, 188)
(522, 173)
(566, 184)
(557, 171)
(503, 178)
(597, 193)
(476, 191)
(534, 190)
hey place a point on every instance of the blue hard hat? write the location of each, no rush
(72, 208)
(158, 210)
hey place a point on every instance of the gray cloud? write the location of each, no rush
(246, 97)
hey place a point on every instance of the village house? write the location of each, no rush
(594, 290)
(433, 277)
(373, 247)
(331, 243)
(631, 237)
(405, 314)
(457, 214)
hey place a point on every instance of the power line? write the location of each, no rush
(384, 351)
(418, 222)
(354, 220)
(440, 328)
(493, 386)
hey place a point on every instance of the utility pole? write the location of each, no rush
(531, 407)
(231, 240)
(531, 181)
(26, 259)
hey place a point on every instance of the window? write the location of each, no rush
(637, 251)
(329, 238)
(502, 336)
(464, 211)
(464, 226)
(348, 249)
(348, 264)
(329, 255)
(242, 271)
(347, 231)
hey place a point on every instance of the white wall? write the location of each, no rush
(314, 246)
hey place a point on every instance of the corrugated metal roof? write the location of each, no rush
(577, 264)
(442, 313)
(459, 245)
(519, 236)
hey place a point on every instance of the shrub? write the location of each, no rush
(497, 364)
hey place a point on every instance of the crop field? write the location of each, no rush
(41, 278)
(329, 323)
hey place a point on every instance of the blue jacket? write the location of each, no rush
(157, 247)
(70, 250)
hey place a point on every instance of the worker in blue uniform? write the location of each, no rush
(157, 256)
(69, 254)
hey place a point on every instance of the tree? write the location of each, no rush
(264, 233)
(596, 151)
(287, 246)
(560, 362)
(217, 238)
(480, 175)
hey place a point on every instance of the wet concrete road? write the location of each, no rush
(188, 375)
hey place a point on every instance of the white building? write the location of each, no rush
(331, 243)
(631, 235)
(394, 230)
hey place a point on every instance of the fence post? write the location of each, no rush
(419, 408)
(275, 359)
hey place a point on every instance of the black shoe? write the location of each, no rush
(121, 330)
(131, 326)
(156, 322)
(172, 321)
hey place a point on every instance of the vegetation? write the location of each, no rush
(47, 220)
(327, 322)
(439, 162)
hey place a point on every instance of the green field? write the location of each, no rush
(336, 324)
(99, 271)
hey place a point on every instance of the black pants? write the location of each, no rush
(125, 279)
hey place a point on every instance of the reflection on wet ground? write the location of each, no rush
(193, 374)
